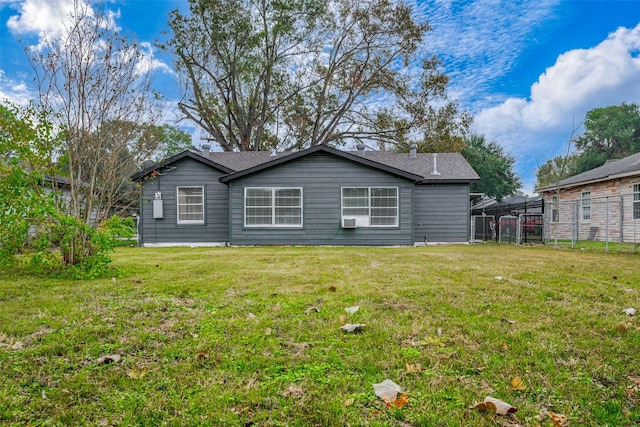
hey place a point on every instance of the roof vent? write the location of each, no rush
(435, 165)
(413, 151)
(360, 148)
(206, 149)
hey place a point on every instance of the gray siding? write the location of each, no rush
(442, 212)
(321, 177)
(185, 172)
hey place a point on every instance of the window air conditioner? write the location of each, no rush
(348, 223)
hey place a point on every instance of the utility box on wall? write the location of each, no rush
(157, 207)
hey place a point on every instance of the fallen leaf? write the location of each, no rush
(332, 288)
(108, 359)
(251, 316)
(348, 402)
(498, 277)
(137, 374)
(518, 384)
(267, 331)
(623, 326)
(349, 327)
(352, 309)
(439, 332)
(413, 368)
(201, 355)
(312, 310)
(401, 402)
(504, 346)
(559, 420)
(387, 390)
(432, 341)
(511, 322)
(495, 406)
(629, 311)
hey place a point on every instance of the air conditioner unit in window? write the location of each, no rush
(348, 223)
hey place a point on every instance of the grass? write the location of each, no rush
(228, 336)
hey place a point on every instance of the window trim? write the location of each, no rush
(555, 209)
(273, 208)
(585, 207)
(635, 202)
(189, 221)
(368, 216)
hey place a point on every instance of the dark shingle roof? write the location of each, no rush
(610, 170)
(451, 167)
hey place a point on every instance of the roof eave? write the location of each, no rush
(298, 154)
(190, 154)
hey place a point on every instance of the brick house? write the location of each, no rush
(601, 204)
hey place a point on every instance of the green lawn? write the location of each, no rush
(251, 336)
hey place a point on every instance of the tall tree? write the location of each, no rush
(495, 167)
(261, 74)
(556, 169)
(94, 78)
(611, 132)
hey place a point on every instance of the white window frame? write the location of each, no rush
(274, 208)
(178, 204)
(585, 203)
(635, 205)
(555, 209)
(365, 220)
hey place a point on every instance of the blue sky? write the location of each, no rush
(528, 70)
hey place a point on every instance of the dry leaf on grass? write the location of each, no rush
(495, 406)
(312, 310)
(559, 420)
(348, 402)
(623, 326)
(387, 390)
(349, 327)
(137, 374)
(411, 369)
(352, 309)
(201, 355)
(518, 384)
(399, 402)
(109, 358)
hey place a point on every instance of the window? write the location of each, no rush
(586, 205)
(371, 206)
(273, 207)
(555, 213)
(636, 201)
(190, 205)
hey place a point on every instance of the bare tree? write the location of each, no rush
(262, 74)
(97, 82)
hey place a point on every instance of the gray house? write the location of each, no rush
(317, 196)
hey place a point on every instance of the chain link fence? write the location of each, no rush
(610, 223)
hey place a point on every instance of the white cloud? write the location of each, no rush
(41, 16)
(14, 91)
(149, 62)
(481, 41)
(536, 129)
